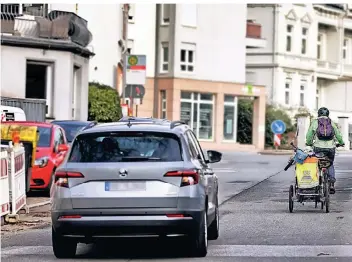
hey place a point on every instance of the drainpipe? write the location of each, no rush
(156, 62)
(342, 33)
(274, 53)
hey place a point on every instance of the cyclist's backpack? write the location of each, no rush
(325, 130)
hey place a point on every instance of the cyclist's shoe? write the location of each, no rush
(332, 188)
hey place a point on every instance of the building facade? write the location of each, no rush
(196, 68)
(307, 62)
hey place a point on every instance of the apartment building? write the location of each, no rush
(307, 61)
(196, 67)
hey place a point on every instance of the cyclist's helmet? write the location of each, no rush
(323, 111)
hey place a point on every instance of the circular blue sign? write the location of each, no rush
(278, 127)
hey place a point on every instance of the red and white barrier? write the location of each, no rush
(277, 140)
(12, 179)
(17, 179)
(4, 185)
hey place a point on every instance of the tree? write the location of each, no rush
(104, 103)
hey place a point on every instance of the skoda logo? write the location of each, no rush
(123, 172)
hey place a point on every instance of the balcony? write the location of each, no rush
(35, 21)
(327, 69)
(254, 35)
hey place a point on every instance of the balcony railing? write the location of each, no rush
(254, 30)
(36, 21)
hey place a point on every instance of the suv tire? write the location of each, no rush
(199, 240)
(63, 247)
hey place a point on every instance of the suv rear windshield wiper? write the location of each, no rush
(139, 158)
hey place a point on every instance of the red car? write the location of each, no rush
(52, 148)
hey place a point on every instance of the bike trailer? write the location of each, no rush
(307, 174)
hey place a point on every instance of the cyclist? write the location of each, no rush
(322, 135)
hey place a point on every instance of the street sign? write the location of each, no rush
(278, 127)
(277, 140)
(136, 69)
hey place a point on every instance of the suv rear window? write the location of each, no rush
(126, 147)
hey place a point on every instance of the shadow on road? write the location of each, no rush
(143, 248)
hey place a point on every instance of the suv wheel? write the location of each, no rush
(199, 240)
(214, 228)
(63, 247)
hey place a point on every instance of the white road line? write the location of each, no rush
(343, 171)
(225, 251)
(224, 170)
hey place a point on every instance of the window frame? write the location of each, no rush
(188, 48)
(304, 40)
(289, 35)
(346, 47)
(288, 90)
(162, 18)
(302, 103)
(317, 98)
(196, 101)
(163, 62)
(233, 104)
(163, 98)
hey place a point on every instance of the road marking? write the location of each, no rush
(224, 251)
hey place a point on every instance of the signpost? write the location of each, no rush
(278, 127)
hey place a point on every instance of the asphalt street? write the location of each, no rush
(255, 222)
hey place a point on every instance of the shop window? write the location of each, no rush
(197, 112)
(230, 118)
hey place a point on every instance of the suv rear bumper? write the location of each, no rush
(104, 224)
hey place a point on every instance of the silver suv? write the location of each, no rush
(135, 177)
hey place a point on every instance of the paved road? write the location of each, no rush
(255, 226)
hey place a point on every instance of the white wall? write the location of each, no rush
(105, 24)
(13, 77)
(142, 32)
(220, 42)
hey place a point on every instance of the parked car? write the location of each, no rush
(51, 149)
(132, 178)
(10, 113)
(72, 127)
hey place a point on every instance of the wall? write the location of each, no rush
(142, 32)
(14, 84)
(219, 37)
(105, 24)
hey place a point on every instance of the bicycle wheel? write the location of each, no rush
(327, 196)
(290, 199)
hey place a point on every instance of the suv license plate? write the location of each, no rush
(125, 186)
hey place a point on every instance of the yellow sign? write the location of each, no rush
(26, 134)
(133, 60)
(307, 175)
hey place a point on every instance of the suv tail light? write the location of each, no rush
(61, 177)
(189, 177)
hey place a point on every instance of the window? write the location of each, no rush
(317, 98)
(126, 147)
(163, 103)
(199, 150)
(197, 112)
(301, 94)
(58, 138)
(289, 33)
(345, 51)
(35, 9)
(164, 57)
(319, 46)
(187, 57)
(130, 45)
(230, 118)
(165, 14)
(77, 87)
(44, 136)
(304, 41)
(131, 13)
(288, 92)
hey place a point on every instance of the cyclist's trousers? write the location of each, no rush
(330, 153)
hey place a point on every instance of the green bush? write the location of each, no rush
(104, 103)
(245, 118)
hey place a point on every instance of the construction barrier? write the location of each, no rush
(4, 185)
(17, 179)
(13, 179)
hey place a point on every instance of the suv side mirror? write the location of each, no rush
(214, 156)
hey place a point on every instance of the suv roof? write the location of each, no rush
(140, 124)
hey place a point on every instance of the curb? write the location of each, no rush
(276, 153)
(44, 203)
(249, 187)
